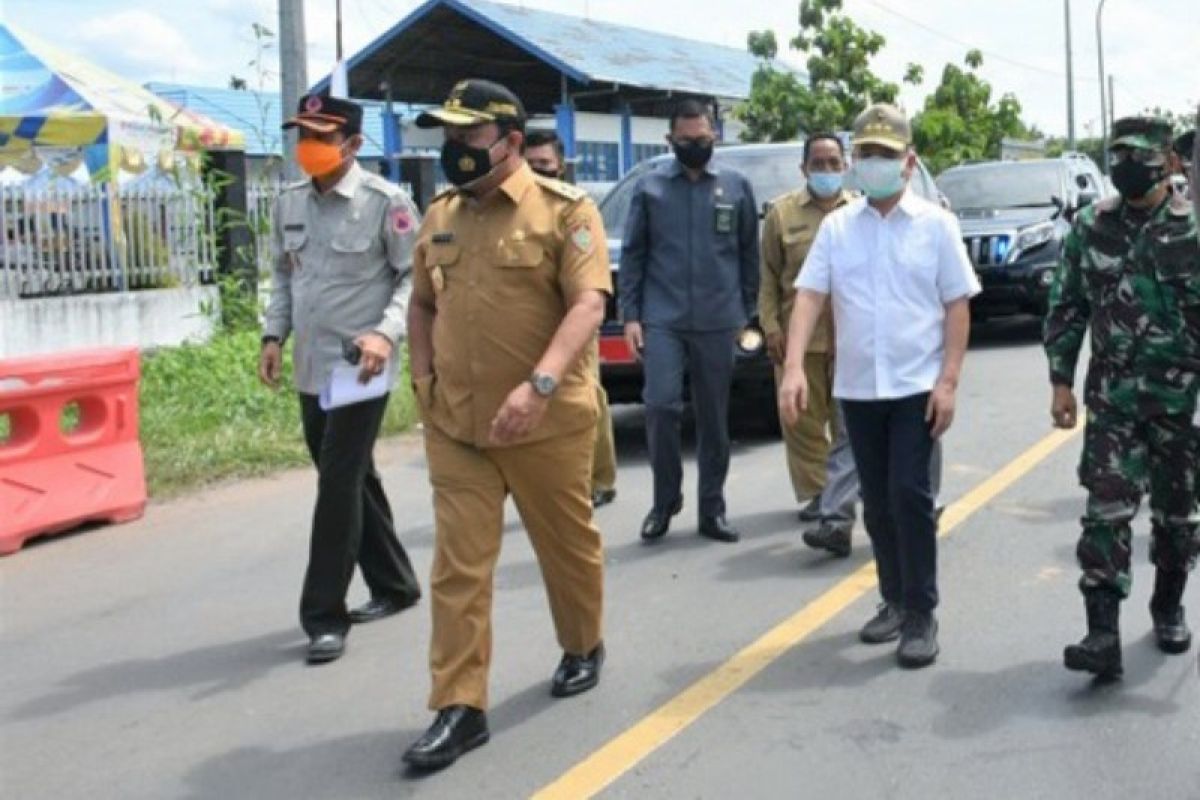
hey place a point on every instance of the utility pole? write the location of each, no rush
(1103, 103)
(293, 74)
(1070, 80)
(1112, 101)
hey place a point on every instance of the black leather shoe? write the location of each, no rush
(1100, 651)
(718, 529)
(577, 674)
(380, 607)
(657, 523)
(456, 730)
(833, 538)
(326, 647)
(884, 626)
(918, 640)
(602, 497)
(811, 512)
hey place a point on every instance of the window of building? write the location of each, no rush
(598, 161)
(641, 152)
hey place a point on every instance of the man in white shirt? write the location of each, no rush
(897, 275)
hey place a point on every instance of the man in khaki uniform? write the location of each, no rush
(788, 232)
(510, 279)
(544, 152)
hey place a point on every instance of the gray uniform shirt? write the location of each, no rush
(342, 261)
(689, 255)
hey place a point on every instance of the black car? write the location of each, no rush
(1014, 217)
(773, 170)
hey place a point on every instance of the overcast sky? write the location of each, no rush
(1152, 47)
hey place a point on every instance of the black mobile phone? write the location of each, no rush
(351, 352)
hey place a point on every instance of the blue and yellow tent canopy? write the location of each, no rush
(51, 98)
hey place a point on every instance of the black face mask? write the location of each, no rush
(1133, 180)
(693, 155)
(545, 173)
(464, 164)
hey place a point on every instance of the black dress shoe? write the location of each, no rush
(380, 607)
(658, 523)
(456, 730)
(834, 538)
(326, 647)
(602, 497)
(884, 626)
(577, 674)
(718, 528)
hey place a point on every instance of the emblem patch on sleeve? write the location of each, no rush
(402, 221)
(581, 238)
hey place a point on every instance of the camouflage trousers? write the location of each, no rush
(1123, 456)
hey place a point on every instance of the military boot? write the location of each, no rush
(1100, 651)
(1166, 609)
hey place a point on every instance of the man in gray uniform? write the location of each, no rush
(687, 285)
(343, 245)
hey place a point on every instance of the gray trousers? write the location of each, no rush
(841, 483)
(707, 357)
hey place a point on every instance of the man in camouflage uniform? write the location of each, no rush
(1131, 269)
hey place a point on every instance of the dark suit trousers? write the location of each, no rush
(707, 357)
(892, 448)
(352, 521)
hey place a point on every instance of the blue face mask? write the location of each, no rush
(825, 184)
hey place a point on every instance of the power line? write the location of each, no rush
(962, 43)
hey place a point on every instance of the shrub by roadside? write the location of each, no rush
(205, 417)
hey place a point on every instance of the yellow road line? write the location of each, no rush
(624, 752)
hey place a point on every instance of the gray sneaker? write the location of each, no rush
(918, 640)
(884, 626)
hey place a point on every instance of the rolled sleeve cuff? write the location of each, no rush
(1061, 376)
(392, 330)
(277, 329)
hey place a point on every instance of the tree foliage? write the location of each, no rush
(840, 80)
(959, 120)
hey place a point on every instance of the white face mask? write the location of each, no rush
(879, 177)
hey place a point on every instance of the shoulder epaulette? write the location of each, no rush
(561, 188)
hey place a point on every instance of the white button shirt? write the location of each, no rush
(889, 280)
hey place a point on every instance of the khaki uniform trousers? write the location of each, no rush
(550, 484)
(808, 441)
(604, 459)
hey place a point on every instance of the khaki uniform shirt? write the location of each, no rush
(787, 234)
(341, 262)
(503, 274)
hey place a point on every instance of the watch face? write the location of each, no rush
(544, 384)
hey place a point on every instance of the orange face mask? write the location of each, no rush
(318, 158)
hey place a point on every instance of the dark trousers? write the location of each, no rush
(708, 359)
(892, 447)
(352, 521)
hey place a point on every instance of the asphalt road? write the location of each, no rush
(161, 659)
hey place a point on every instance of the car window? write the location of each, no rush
(1010, 184)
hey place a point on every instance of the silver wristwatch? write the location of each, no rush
(543, 384)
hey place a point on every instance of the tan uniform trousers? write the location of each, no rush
(808, 440)
(550, 484)
(604, 459)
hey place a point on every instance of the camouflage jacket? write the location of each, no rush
(1135, 279)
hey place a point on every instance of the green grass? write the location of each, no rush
(205, 417)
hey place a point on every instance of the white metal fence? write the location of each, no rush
(72, 239)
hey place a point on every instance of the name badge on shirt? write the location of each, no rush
(723, 217)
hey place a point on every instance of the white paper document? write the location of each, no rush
(343, 388)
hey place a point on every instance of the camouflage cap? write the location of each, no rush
(474, 102)
(883, 124)
(1148, 133)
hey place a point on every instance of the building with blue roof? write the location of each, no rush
(562, 67)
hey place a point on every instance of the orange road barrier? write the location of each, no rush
(69, 449)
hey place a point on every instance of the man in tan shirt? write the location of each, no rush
(788, 232)
(510, 279)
